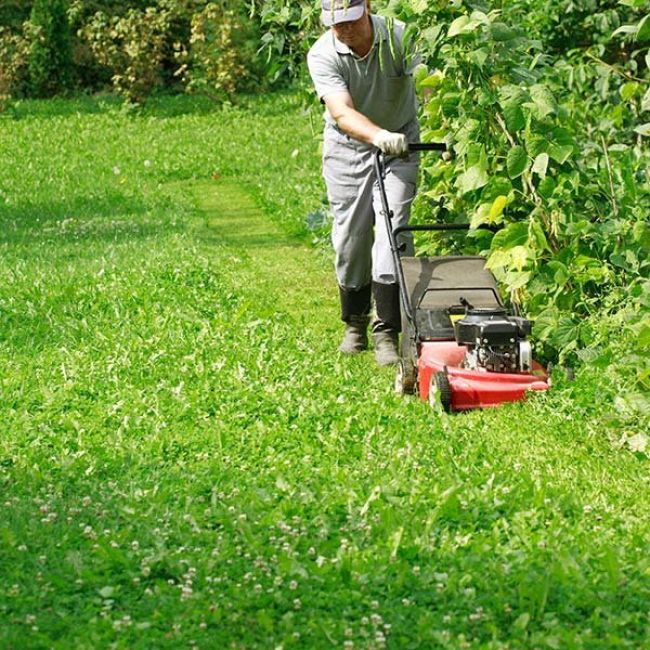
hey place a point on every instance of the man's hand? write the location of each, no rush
(392, 144)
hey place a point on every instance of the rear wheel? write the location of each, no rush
(440, 392)
(405, 378)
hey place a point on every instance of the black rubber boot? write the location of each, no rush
(355, 310)
(388, 324)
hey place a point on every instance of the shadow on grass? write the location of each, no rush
(159, 106)
(109, 217)
(162, 105)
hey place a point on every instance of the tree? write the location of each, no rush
(50, 57)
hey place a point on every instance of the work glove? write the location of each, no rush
(392, 144)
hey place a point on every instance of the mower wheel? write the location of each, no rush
(405, 378)
(440, 392)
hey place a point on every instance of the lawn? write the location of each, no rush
(185, 460)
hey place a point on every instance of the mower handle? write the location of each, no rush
(444, 227)
(427, 146)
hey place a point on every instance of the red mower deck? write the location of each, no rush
(462, 348)
(472, 389)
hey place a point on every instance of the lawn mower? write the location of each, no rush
(461, 348)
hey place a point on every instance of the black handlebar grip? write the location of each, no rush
(427, 146)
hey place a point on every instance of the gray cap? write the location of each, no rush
(342, 11)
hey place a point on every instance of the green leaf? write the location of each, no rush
(479, 57)
(516, 279)
(522, 621)
(628, 90)
(536, 236)
(560, 272)
(418, 6)
(474, 178)
(482, 215)
(497, 259)
(540, 165)
(519, 256)
(501, 32)
(560, 153)
(643, 31)
(514, 234)
(497, 207)
(515, 119)
(420, 72)
(480, 17)
(430, 35)
(643, 339)
(457, 25)
(645, 102)
(545, 323)
(517, 161)
(543, 99)
(643, 129)
(547, 187)
(625, 29)
(566, 331)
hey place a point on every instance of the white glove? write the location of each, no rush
(392, 144)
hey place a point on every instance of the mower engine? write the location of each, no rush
(494, 340)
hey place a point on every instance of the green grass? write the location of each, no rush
(185, 461)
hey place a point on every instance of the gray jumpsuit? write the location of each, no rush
(382, 89)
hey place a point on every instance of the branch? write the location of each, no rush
(610, 174)
(614, 69)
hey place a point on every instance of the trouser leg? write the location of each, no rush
(349, 190)
(355, 313)
(400, 183)
(387, 308)
(347, 170)
(355, 303)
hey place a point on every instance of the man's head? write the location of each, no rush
(342, 11)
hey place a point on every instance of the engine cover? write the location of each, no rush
(494, 340)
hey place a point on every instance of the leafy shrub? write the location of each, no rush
(561, 182)
(50, 56)
(13, 13)
(215, 61)
(132, 47)
(14, 50)
(289, 29)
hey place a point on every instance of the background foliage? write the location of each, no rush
(546, 105)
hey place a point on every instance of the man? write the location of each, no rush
(363, 77)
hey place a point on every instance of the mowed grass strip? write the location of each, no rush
(186, 461)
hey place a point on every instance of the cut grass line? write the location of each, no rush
(279, 268)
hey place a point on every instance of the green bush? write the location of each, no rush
(215, 62)
(14, 50)
(50, 56)
(132, 47)
(289, 29)
(13, 13)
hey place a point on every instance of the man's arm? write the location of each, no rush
(359, 127)
(348, 119)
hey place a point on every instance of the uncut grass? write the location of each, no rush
(186, 461)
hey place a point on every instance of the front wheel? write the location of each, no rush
(440, 392)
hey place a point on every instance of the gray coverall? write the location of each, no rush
(382, 89)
